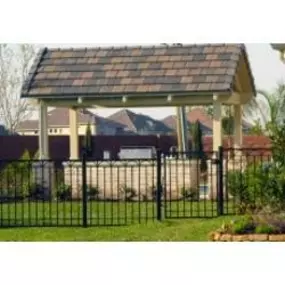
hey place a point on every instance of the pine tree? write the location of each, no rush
(197, 145)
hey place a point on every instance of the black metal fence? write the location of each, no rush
(100, 193)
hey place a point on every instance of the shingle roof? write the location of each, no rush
(139, 123)
(198, 114)
(60, 117)
(134, 70)
(171, 122)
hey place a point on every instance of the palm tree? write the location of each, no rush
(267, 107)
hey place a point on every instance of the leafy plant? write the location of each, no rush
(243, 226)
(258, 223)
(93, 192)
(17, 176)
(265, 229)
(128, 192)
(64, 192)
(35, 192)
(189, 194)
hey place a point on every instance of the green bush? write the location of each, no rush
(243, 226)
(128, 192)
(259, 186)
(189, 194)
(63, 192)
(265, 229)
(93, 192)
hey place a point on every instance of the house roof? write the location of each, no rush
(68, 73)
(59, 117)
(139, 122)
(197, 114)
(171, 122)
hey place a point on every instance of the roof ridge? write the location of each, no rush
(127, 47)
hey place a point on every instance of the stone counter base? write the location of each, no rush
(250, 237)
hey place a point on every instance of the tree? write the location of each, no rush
(197, 144)
(15, 62)
(267, 107)
(88, 141)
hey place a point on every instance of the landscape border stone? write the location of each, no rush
(218, 237)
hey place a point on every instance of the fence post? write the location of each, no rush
(220, 181)
(158, 185)
(84, 191)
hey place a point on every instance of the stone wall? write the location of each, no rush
(112, 177)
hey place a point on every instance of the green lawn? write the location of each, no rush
(168, 230)
(108, 221)
(99, 213)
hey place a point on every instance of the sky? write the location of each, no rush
(267, 69)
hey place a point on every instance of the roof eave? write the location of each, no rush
(95, 96)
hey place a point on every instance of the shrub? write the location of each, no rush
(243, 226)
(17, 177)
(257, 223)
(189, 194)
(257, 187)
(128, 192)
(63, 192)
(93, 192)
(35, 192)
(265, 229)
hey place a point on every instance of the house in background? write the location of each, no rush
(197, 114)
(140, 124)
(206, 122)
(58, 124)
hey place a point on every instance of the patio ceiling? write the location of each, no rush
(141, 76)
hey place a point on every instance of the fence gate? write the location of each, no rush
(192, 185)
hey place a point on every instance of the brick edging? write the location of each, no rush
(218, 237)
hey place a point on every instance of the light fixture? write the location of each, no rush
(124, 99)
(79, 100)
(169, 98)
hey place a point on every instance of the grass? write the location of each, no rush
(99, 213)
(137, 221)
(168, 230)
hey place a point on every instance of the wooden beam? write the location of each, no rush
(232, 99)
(146, 101)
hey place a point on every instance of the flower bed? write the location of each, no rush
(259, 227)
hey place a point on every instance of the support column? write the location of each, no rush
(184, 129)
(237, 126)
(217, 142)
(43, 131)
(178, 127)
(217, 124)
(73, 137)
